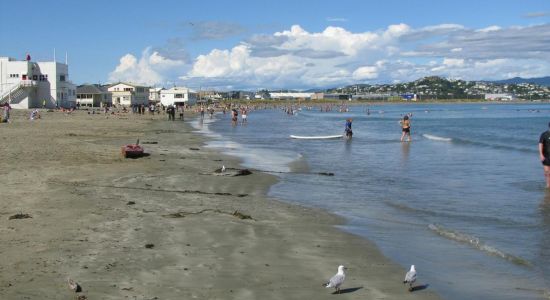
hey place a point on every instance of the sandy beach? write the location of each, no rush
(165, 226)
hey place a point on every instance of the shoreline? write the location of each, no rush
(163, 225)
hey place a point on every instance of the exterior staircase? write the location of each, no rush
(17, 92)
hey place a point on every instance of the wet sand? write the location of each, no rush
(162, 226)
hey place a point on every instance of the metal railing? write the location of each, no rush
(15, 87)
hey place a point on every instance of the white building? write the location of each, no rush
(178, 96)
(129, 94)
(501, 97)
(92, 95)
(28, 84)
(154, 95)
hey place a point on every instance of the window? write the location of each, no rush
(140, 90)
(178, 95)
(61, 77)
(127, 89)
(41, 77)
(34, 77)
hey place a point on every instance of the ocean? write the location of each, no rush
(465, 201)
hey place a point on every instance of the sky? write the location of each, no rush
(284, 44)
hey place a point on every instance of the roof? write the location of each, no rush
(127, 83)
(177, 89)
(88, 89)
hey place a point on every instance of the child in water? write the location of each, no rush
(349, 132)
(405, 128)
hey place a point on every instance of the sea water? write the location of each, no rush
(464, 201)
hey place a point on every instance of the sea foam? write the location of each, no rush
(437, 138)
(476, 243)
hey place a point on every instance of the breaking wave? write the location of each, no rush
(477, 244)
(437, 138)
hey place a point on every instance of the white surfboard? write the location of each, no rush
(318, 137)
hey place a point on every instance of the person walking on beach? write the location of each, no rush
(6, 113)
(544, 154)
(349, 132)
(405, 128)
(181, 110)
(170, 110)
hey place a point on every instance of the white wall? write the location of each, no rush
(136, 95)
(44, 78)
(177, 95)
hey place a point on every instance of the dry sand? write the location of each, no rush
(179, 240)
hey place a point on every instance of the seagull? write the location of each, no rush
(410, 278)
(336, 280)
(223, 169)
(73, 285)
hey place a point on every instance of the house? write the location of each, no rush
(178, 96)
(129, 94)
(93, 95)
(154, 95)
(501, 97)
(27, 84)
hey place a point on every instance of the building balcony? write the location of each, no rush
(28, 83)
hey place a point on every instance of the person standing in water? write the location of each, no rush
(349, 132)
(405, 128)
(544, 154)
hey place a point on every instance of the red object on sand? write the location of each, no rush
(131, 150)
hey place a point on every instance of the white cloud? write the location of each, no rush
(150, 69)
(489, 29)
(297, 58)
(367, 72)
(453, 62)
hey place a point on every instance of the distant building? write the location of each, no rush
(243, 95)
(128, 94)
(290, 95)
(93, 95)
(154, 95)
(28, 84)
(372, 96)
(331, 96)
(262, 95)
(178, 96)
(408, 97)
(500, 97)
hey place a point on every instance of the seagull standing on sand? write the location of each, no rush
(410, 278)
(337, 280)
(223, 169)
(75, 287)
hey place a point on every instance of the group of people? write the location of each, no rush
(405, 130)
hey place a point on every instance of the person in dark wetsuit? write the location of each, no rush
(544, 154)
(349, 132)
(405, 128)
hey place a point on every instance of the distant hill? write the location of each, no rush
(544, 81)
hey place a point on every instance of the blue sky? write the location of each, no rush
(281, 44)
